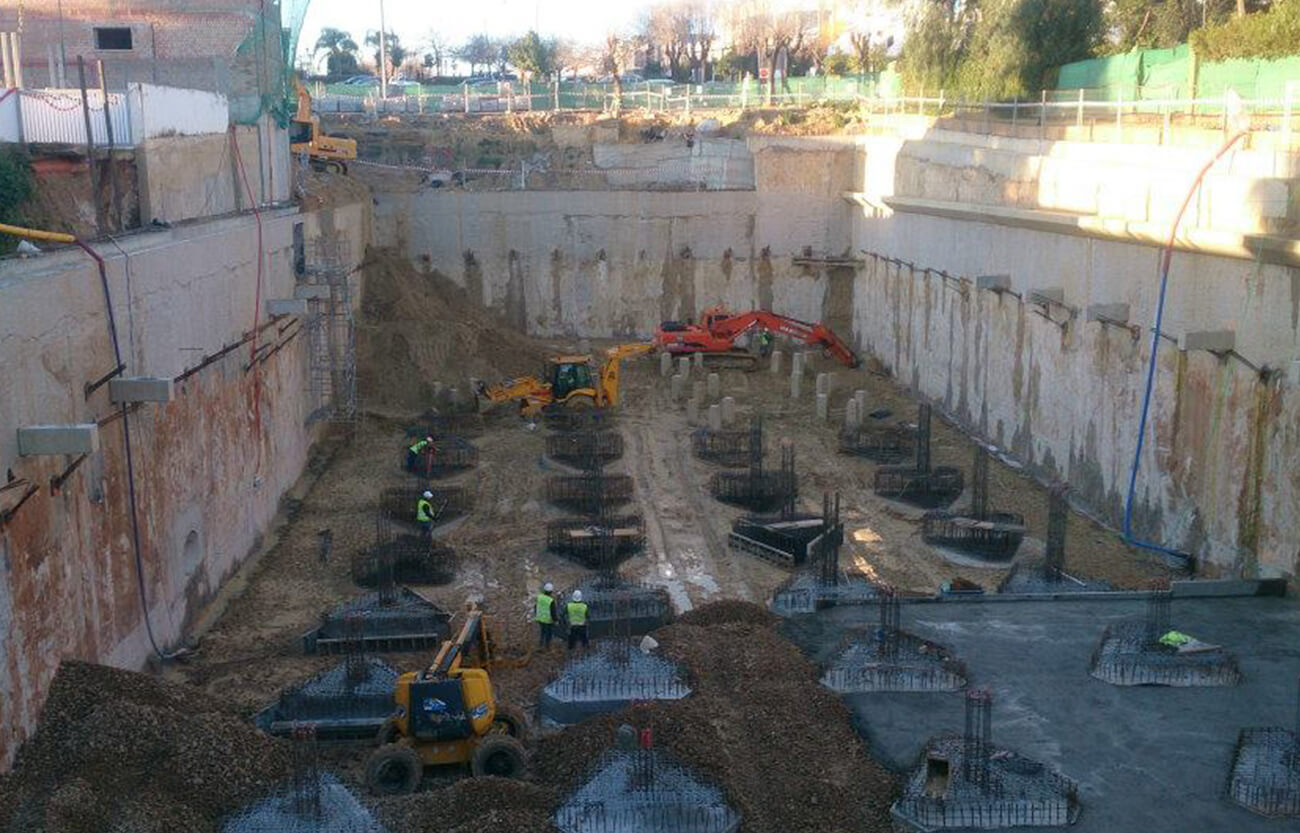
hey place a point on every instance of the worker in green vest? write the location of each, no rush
(416, 452)
(424, 514)
(576, 612)
(545, 614)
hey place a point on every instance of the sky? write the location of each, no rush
(412, 20)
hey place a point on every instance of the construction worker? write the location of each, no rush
(576, 612)
(414, 453)
(424, 514)
(765, 342)
(545, 614)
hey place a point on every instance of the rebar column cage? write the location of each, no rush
(756, 489)
(331, 330)
(408, 558)
(1159, 600)
(560, 417)
(449, 455)
(401, 621)
(920, 484)
(978, 737)
(589, 493)
(879, 443)
(724, 447)
(993, 536)
(344, 702)
(585, 449)
(1058, 517)
(887, 638)
(621, 607)
(438, 425)
(306, 784)
(449, 503)
(1130, 653)
(1265, 773)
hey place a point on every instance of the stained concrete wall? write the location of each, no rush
(210, 466)
(1219, 474)
(617, 263)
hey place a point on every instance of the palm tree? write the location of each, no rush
(342, 50)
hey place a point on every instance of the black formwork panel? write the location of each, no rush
(934, 488)
(412, 559)
(724, 447)
(789, 541)
(586, 540)
(564, 418)
(438, 426)
(449, 502)
(589, 493)
(450, 455)
(880, 443)
(350, 701)
(585, 449)
(760, 491)
(994, 537)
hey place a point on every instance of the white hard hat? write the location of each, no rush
(428, 439)
(428, 494)
(548, 587)
(577, 595)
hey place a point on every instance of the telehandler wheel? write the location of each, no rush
(388, 732)
(510, 722)
(499, 755)
(580, 402)
(394, 770)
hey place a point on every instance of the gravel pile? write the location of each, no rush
(120, 751)
(728, 610)
(475, 805)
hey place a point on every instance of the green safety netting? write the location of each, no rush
(262, 72)
(1166, 73)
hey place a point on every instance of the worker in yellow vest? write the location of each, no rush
(415, 454)
(545, 614)
(424, 514)
(576, 612)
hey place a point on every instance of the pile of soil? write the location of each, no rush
(419, 328)
(758, 725)
(728, 610)
(117, 750)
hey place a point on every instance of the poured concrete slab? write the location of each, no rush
(1146, 759)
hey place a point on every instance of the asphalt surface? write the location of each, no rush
(1146, 758)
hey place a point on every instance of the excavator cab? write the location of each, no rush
(568, 374)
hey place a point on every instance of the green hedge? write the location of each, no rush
(1271, 34)
(15, 190)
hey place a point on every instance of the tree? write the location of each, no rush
(478, 51)
(730, 65)
(936, 40)
(870, 52)
(396, 52)
(342, 57)
(1149, 24)
(771, 34)
(532, 56)
(616, 57)
(436, 53)
(1017, 43)
(840, 63)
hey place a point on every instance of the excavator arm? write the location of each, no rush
(817, 335)
(611, 369)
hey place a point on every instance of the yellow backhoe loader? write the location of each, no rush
(326, 153)
(571, 381)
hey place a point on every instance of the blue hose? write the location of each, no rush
(1166, 260)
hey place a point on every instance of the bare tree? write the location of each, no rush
(769, 33)
(436, 51)
(618, 55)
(701, 34)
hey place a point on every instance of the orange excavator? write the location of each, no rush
(715, 336)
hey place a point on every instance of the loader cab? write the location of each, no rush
(569, 373)
(301, 133)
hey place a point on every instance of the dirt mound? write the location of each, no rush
(727, 610)
(117, 750)
(476, 804)
(419, 328)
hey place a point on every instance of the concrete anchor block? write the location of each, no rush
(286, 306)
(139, 389)
(860, 397)
(665, 364)
(47, 440)
(851, 414)
(693, 410)
(1045, 297)
(715, 417)
(995, 283)
(728, 410)
(795, 380)
(715, 386)
(679, 387)
(823, 406)
(684, 366)
(1114, 313)
(776, 362)
(1214, 341)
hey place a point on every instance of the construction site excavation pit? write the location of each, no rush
(889, 658)
(612, 675)
(349, 701)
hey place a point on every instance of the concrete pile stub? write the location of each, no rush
(715, 418)
(693, 410)
(684, 366)
(860, 397)
(678, 386)
(728, 410)
(699, 361)
(796, 381)
(823, 406)
(665, 364)
(715, 385)
(776, 361)
(851, 414)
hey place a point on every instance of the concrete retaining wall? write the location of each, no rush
(1218, 477)
(210, 466)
